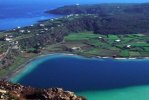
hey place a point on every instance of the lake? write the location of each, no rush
(90, 77)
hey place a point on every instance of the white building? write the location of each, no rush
(117, 40)
(28, 31)
(8, 39)
(46, 29)
(75, 48)
(100, 37)
(128, 46)
(22, 31)
(42, 25)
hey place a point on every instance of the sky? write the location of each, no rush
(68, 1)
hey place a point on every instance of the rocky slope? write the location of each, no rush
(9, 91)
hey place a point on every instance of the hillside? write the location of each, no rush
(9, 91)
(113, 18)
(103, 9)
(43, 37)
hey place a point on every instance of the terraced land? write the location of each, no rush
(91, 44)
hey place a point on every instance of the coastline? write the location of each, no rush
(24, 65)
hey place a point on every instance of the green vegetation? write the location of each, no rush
(124, 53)
(113, 37)
(128, 45)
(19, 60)
(81, 36)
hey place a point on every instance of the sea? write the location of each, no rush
(13, 16)
(14, 13)
(22, 13)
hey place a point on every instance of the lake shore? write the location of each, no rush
(24, 65)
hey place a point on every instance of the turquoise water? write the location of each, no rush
(96, 79)
(129, 93)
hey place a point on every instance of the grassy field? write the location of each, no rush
(19, 60)
(81, 36)
(128, 45)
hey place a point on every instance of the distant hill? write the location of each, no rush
(100, 9)
(114, 18)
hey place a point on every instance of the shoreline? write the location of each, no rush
(24, 65)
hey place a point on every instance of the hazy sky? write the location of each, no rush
(73, 1)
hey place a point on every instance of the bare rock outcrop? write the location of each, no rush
(9, 91)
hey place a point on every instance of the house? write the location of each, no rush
(76, 48)
(69, 15)
(22, 31)
(28, 31)
(8, 39)
(117, 40)
(46, 29)
(42, 25)
(128, 46)
(100, 37)
(17, 42)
